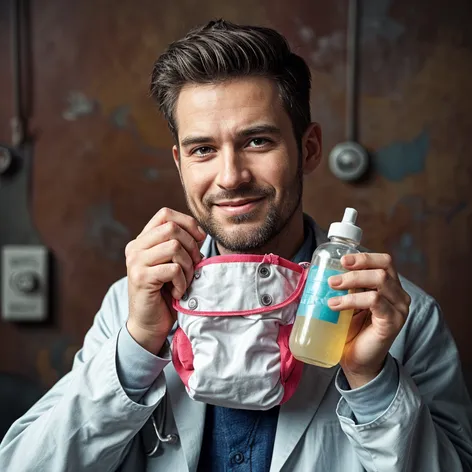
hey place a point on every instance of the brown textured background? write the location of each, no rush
(103, 167)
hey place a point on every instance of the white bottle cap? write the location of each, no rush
(347, 228)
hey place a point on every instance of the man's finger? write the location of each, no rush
(370, 300)
(188, 223)
(169, 231)
(378, 279)
(170, 251)
(369, 260)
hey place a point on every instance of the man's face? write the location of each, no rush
(238, 161)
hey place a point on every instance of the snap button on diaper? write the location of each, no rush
(266, 299)
(192, 303)
(264, 271)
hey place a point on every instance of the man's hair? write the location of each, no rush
(222, 50)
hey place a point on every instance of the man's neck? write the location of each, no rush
(285, 244)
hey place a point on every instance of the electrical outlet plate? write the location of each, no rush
(24, 279)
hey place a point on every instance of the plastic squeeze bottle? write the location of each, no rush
(319, 333)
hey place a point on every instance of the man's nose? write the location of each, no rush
(233, 170)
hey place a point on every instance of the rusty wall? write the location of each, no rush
(103, 167)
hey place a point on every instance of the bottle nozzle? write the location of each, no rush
(350, 216)
(347, 227)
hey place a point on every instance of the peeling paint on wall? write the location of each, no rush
(415, 204)
(327, 47)
(400, 159)
(79, 105)
(105, 233)
(420, 210)
(377, 23)
(119, 116)
(151, 174)
(306, 34)
(409, 258)
(408, 252)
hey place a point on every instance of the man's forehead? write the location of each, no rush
(236, 104)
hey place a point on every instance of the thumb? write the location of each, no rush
(202, 241)
(168, 300)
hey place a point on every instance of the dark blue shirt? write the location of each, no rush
(243, 440)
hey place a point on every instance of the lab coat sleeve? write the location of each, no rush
(427, 426)
(86, 421)
(371, 400)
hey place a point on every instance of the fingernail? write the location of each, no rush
(348, 260)
(335, 280)
(335, 301)
(201, 230)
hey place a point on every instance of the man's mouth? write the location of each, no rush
(239, 206)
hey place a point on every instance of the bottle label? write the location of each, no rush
(314, 302)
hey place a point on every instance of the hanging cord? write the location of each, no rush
(352, 75)
(18, 45)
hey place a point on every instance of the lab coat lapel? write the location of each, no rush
(298, 412)
(189, 416)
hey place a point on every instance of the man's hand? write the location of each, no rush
(380, 313)
(160, 262)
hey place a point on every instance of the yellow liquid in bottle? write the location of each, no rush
(320, 342)
(319, 333)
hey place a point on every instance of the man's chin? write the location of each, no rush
(242, 237)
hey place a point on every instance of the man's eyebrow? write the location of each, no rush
(191, 140)
(260, 129)
(251, 131)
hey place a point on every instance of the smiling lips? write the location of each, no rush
(238, 207)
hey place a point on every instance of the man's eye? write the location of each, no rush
(202, 151)
(258, 142)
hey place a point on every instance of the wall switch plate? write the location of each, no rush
(24, 278)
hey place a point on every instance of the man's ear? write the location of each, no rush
(311, 148)
(176, 156)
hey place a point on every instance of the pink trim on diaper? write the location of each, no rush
(291, 369)
(182, 355)
(297, 292)
(267, 258)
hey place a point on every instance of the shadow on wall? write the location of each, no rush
(17, 396)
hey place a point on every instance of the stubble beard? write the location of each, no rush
(246, 241)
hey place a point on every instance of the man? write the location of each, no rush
(237, 103)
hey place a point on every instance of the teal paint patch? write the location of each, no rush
(376, 22)
(400, 159)
(119, 116)
(314, 302)
(406, 252)
(79, 105)
(151, 174)
(106, 233)
(409, 258)
(420, 210)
